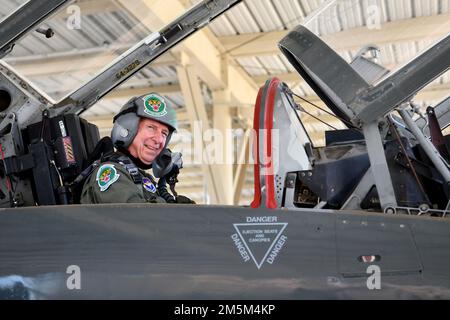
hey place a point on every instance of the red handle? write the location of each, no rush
(268, 161)
(256, 181)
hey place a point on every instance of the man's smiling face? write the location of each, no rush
(149, 141)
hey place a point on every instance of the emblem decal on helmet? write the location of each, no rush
(106, 176)
(154, 105)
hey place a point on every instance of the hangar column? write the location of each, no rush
(222, 123)
(199, 122)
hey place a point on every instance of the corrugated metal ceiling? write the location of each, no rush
(104, 29)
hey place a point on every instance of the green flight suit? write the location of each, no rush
(111, 182)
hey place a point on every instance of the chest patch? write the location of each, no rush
(148, 185)
(106, 176)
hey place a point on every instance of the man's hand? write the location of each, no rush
(183, 199)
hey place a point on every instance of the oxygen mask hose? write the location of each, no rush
(162, 190)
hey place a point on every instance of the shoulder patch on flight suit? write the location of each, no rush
(106, 176)
(148, 185)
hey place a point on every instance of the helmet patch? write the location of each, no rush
(106, 176)
(154, 105)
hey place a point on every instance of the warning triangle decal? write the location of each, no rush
(259, 238)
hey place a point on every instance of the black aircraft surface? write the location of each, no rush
(364, 217)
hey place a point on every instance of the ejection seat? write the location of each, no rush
(56, 151)
(289, 171)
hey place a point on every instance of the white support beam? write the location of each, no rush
(96, 6)
(127, 93)
(204, 50)
(105, 121)
(407, 30)
(241, 169)
(196, 111)
(285, 77)
(433, 93)
(73, 62)
(222, 122)
(446, 131)
(154, 14)
(133, 87)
